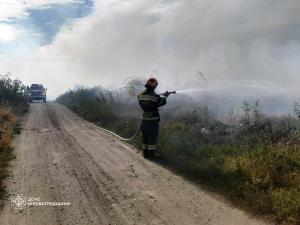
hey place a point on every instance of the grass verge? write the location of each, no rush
(8, 127)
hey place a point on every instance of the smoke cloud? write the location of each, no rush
(186, 44)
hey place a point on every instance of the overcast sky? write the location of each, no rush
(232, 42)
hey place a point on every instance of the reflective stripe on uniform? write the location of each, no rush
(150, 114)
(148, 98)
(152, 118)
(151, 147)
(144, 146)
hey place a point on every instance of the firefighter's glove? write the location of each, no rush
(166, 94)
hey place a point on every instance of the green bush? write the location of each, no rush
(12, 94)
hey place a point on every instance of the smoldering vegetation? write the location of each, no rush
(251, 157)
(13, 103)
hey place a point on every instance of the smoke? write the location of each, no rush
(231, 42)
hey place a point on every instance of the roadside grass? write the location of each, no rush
(7, 125)
(13, 105)
(255, 167)
(6, 155)
(264, 182)
(253, 159)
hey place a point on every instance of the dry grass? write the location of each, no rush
(7, 123)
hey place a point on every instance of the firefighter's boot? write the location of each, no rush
(145, 153)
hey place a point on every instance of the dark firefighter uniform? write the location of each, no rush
(149, 102)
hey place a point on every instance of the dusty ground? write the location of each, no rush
(62, 158)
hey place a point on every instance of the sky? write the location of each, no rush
(251, 48)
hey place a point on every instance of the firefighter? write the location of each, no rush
(149, 102)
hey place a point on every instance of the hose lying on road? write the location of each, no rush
(116, 135)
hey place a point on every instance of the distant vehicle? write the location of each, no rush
(37, 92)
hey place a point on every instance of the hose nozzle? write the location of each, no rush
(167, 93)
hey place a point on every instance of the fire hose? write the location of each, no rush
(116, 135)
(166, 94)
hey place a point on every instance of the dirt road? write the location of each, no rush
(63, 159)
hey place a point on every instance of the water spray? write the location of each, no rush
(220, 88)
